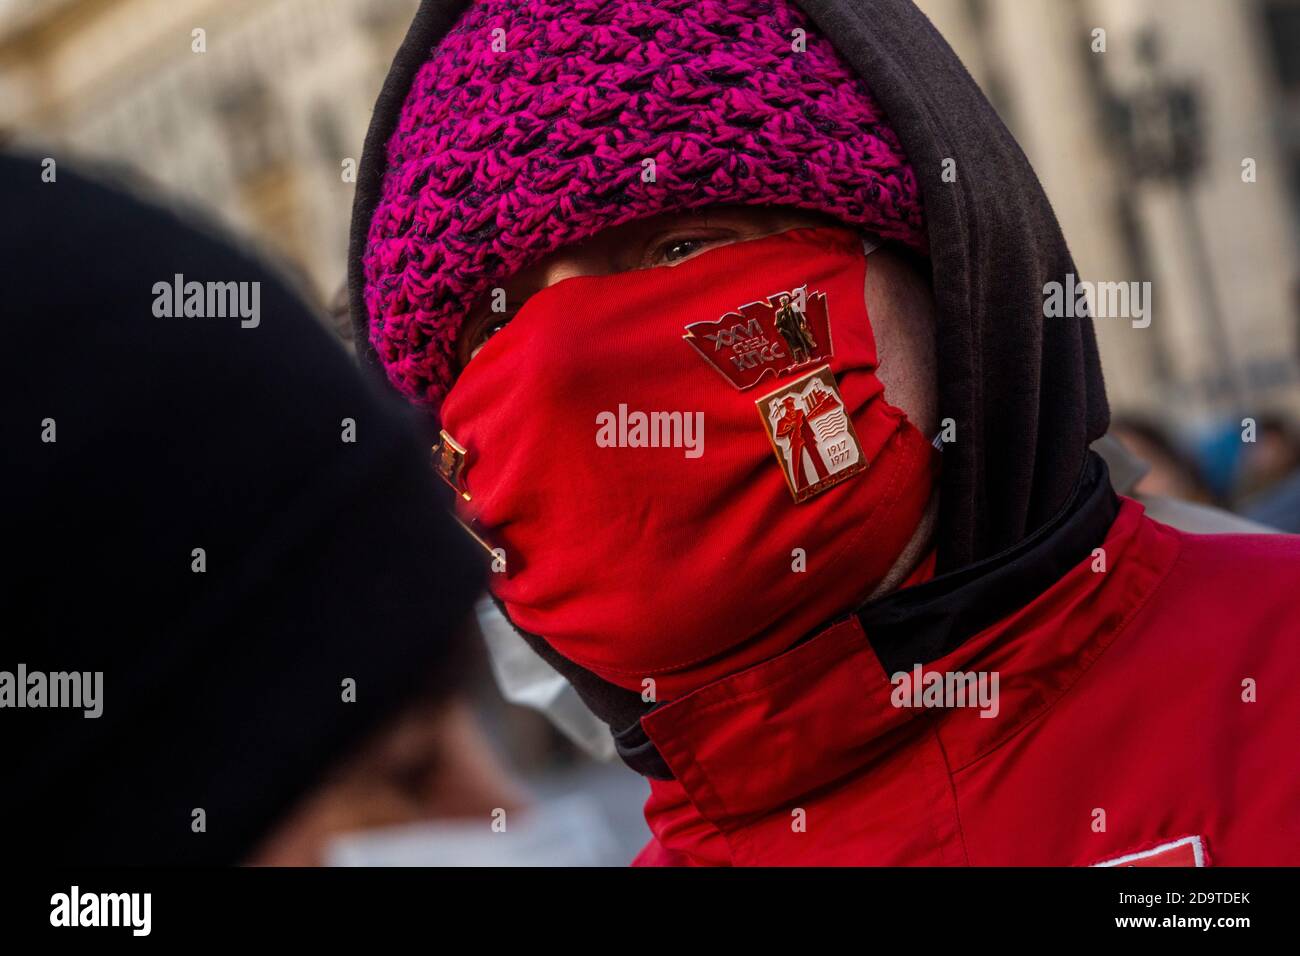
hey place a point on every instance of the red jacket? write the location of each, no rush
(1124, 725)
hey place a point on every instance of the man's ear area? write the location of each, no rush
(900, 306)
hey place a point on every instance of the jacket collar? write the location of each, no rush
(920, 624)
(827, 708)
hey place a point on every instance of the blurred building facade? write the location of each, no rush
(261, 127)
(256, 118)
(1219, 249)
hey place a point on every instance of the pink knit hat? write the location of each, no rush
(528, 127)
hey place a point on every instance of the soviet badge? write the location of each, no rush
(773, 337)
(806, 420)
(449, 463)
(811, 433)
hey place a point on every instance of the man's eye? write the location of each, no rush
(487, 332)
(677, 249)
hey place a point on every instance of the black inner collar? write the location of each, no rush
(920, 624)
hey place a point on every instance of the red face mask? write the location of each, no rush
(689, 468)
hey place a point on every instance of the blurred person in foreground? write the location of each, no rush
(870, 600)
(232, 631)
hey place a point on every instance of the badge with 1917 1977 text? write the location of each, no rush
(811, 433)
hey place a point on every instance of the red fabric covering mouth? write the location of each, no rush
(651, 562)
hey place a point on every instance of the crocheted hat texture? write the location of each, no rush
(529, 129)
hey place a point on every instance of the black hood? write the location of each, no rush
(1026, 393)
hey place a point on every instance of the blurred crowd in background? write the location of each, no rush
(1166, 133)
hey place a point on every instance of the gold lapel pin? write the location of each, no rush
(449, 462)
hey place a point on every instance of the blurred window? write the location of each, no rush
(1282, 32)
(1281, 28)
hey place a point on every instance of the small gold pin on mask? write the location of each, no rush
(449, 462)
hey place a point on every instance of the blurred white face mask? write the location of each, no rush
(527, 680)
(565, 831)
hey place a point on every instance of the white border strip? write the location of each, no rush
(1198, 852)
